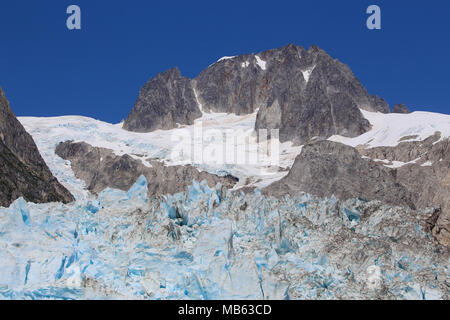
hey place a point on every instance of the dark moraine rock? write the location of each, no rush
(23, 172)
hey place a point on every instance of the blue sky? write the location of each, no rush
(47, 70)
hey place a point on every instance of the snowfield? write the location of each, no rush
(162, 144)
(389, 129)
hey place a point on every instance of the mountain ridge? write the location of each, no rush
(288, 85)
(23, 172)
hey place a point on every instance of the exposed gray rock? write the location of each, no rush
(164, 101)
(441, 230)
(400, 108)
(426, 175)
(23, 172)
(328, 168)
(304, 94)
(100, 168)
(234, 85)
(407, 151)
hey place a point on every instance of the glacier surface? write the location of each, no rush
(213, 243)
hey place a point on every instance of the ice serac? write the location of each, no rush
(164, 101)
(327, 168)
(100, 168)
(23, 172)
(304, 94)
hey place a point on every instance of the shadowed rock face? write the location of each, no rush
(23, 172)
(400, 108)
(164, 101)
(328, 168)
(100, 168)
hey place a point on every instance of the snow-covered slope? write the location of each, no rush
(49, 132)
(389, 129)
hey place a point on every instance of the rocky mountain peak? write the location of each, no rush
(171, 74)
(302, 93)
(164, 101)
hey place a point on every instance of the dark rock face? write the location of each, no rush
(100, 168)
(328, 168)
(400, 108)
(304, 94)
(164, 101)
(23, 172)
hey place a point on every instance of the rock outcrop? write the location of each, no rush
(100, 168)
(327, 168)
(232, 85)
(164, 101)
(23, 172)
(400, 108)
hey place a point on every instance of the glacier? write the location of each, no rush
(214, 243)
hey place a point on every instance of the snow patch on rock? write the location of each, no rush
(261, 63)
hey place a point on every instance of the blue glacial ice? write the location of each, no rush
(211, 243)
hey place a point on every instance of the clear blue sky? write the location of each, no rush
(47, 70)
